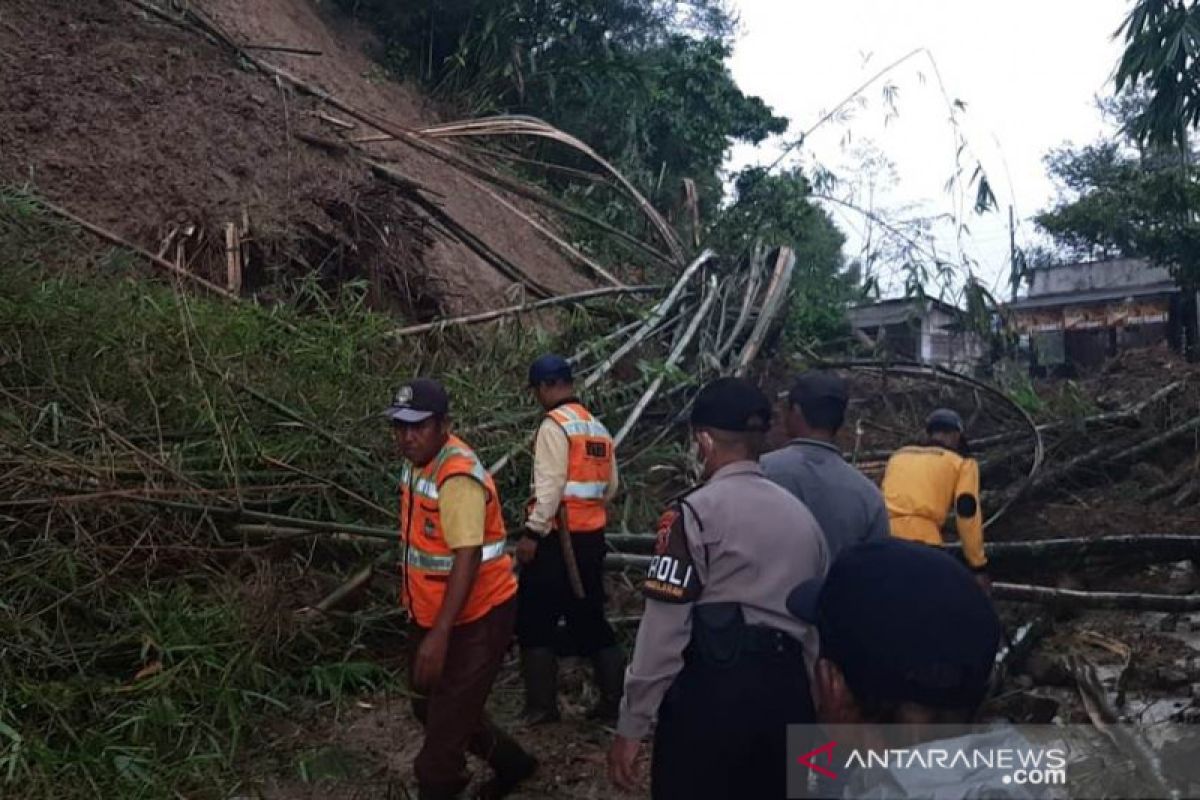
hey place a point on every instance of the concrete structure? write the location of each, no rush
(1081, 314)
(915, 329)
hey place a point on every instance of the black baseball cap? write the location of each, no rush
(732, 404)
(944, 419)
(418, 400)
(817, 385)
(904, 622)
(548, 368)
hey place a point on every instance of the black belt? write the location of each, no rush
(762, 640)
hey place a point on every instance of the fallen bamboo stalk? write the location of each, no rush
(1110, 452)
(488, 316)
(512, 125)
(1073, 598)
(315, 525)
(113, 238)
(1124, 416)
(281, 48)
(757, 262)
(359, 455)
(449, 225)
(330, 482)
(1158, 547)
(561, 243)
(777, 291)
(1022, 593)
(672, 359)
(355, 582)
(655, 316)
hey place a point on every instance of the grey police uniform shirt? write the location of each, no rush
(847, 505)
(739, 538)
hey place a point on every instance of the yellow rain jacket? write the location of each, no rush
(920, 487)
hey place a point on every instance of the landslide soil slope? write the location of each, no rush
(140, 126)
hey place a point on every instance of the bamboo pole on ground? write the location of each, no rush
(113, 238)
(488, 316)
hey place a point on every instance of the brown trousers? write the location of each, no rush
(453, 712)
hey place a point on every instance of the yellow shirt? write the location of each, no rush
(462, 501)
(920, 487)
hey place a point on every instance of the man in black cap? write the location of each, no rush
(574, 477)
(457, 585)
(924, 665)
(719, 660)
(845, 502)
(923, 483)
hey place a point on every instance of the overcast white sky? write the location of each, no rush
(1028, 70)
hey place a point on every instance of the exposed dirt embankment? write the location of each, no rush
(144, 128)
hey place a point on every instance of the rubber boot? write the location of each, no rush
(511, 764)
(609, 671)
(539, 669)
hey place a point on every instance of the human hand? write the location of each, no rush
(430, 660)
(984, 582)
(526, 549)
(622, 763)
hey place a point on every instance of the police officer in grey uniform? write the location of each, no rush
(719, 660)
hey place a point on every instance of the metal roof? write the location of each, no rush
(892, 312)
(1092, 296)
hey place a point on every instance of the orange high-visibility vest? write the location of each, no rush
(426, 557)
(589, 467)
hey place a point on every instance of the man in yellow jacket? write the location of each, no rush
(923, 483)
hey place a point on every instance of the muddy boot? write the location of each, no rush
(539, 669)
(511, 764)
(609, 672)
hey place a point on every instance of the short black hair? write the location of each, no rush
(823, 413)
(752, 442)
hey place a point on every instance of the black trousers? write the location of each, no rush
(544, 596)
(722, 729)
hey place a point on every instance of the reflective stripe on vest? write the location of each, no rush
(585, 491)
(434, 562)
(589, 467)
(428, 558)
(585, 428)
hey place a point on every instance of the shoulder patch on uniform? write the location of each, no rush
(663, 532)
(671, 577)
(966, 506)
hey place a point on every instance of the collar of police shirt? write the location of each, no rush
(802, 442)
(745, 467)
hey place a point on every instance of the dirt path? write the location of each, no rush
(366, 751)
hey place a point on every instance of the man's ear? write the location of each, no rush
(832, 697)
